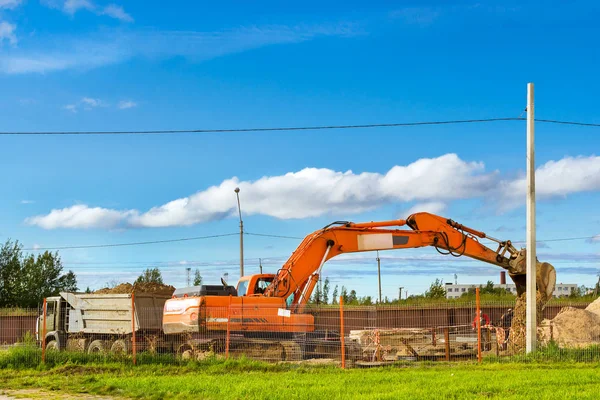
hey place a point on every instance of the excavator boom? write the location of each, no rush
(299, 274)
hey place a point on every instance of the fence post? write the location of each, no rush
(227, 338)
(342, 332)
(43, 338)
(133, 349)
(478, 318)
(447, 341)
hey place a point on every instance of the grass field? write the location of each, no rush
(244, 379)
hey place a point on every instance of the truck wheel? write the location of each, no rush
(119, 347)
(52, 346)
(96, 347)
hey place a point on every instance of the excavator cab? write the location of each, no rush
(254, 284)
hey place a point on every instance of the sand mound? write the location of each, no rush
(572, 327)
(149, 287)
(594, 307)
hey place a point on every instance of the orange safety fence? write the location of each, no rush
(342, 334)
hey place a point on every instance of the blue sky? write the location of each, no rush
(95, 65)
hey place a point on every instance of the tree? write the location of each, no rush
(197, 278)
(26, 280)
(436, 290)
(317, 295)
(335, 295)
(344, 294)
(10, 267)
(150, 275)
(352, 297)
(326, 291)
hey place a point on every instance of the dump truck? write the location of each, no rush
(102, 323)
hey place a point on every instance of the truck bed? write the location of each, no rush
(112, 313)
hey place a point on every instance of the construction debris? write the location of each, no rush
(390, 344)
(573, 327)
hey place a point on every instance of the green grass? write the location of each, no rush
(537, 376)
(242, 379)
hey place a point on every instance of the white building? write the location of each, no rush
(454, 291)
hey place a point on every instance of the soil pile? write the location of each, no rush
(149, 287)
(573, 327)
(594, 307)
(518, 329)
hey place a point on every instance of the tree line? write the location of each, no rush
(26, 279)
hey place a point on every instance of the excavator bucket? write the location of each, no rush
(545, 280)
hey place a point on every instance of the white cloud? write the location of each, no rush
(36, 246)
(313, 192)
(115, 11)
(7, 32)
(595, 239)
(79, 216)
(86, 102)
(57, 53)
(72, 6)
(10, 4)
(310, 192)
(27, 201)
(554, 179)
(434, 207)
(71, 107)
(90, 103)
(124, 104)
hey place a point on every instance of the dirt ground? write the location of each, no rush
(37, 394)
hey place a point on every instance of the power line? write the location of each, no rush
(553, 121)
(131, 243)
(273, 236)
(251, 234)
(298, 128)
(262, 129)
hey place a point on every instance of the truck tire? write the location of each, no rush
(119, 347)
(52, 345)
(97, 346)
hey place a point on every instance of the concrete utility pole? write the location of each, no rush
(237, 193)
(260, 265)
(400, 291)
(531, 311)
(379, 275)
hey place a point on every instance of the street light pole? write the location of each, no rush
(379, 275)
(237, 193)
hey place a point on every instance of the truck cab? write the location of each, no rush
(56, 318)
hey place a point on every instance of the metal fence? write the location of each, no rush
(344, 335)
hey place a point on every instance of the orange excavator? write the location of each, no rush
(274, 305)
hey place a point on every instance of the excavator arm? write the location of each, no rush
(301, 272)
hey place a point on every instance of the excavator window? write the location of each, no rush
(242, 288)
(289, 300)
(262, 284)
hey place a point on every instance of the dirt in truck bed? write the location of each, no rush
(149, 287)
